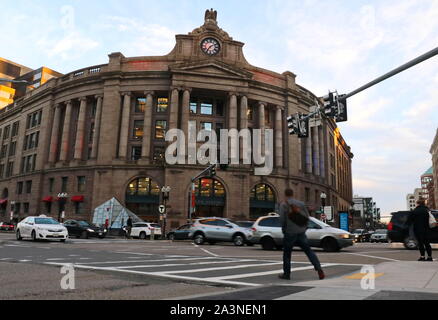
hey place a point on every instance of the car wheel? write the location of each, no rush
(171, 237)
(239, 240)
(330, 245)
(34, 238)
(410, 243)
(19, 238)
(84, 235)
(268, 244)
(143, 236)
(199, 239)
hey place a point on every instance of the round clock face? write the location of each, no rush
(210, 46)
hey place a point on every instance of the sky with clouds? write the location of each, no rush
(331, 45)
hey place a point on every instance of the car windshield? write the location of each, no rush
(358, 231)
(45, 221)
(231, 221)
(245, 224)
(154, 225)
(84, 224)
(381, 231)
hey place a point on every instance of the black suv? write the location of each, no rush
(399, 231)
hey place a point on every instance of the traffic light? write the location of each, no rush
(212, 172)
(335, 106)
(299, 124)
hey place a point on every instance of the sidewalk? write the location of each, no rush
(393, 280)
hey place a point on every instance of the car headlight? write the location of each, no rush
(90, 230)
(345, 236)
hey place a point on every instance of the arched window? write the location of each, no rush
(262, 201)
(143, 198)
(210, 198)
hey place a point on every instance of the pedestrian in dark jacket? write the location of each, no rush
(419, 218)
(129, 228)
(295, 234)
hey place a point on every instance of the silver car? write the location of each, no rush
(267, 232)
(214, 230)
(379, 236)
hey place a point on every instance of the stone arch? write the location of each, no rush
(263, 199)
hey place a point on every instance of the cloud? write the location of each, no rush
(72, 45)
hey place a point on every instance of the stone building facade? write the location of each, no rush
(434, 183)
(98, 133)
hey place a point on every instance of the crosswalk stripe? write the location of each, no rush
(178, 264)
(225, 268)
(159, 260)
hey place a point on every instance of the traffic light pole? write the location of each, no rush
(394, 72)
(193, 189)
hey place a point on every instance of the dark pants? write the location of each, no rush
(423, 244)
(128, 232)
(300, 240)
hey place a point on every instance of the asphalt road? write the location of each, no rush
(152, 270)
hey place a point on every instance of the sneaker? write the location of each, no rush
(321, 275)
(284, 277)
(429, 259)
(422, 259)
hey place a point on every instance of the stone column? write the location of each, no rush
(185, 111)
(243, 119)
(80, 132)
(322, 167)
(232, 116)
(54, 140)
(309, 163)
(315, 142)
(174, 102)
(97, 124)
(65, 141)
(279, 137)
(262, 125)
(147, 129)
(124, 130)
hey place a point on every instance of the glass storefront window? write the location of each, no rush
(162, 105)
(155, 189)
(219, 189)
(263, 192)
(143, 186)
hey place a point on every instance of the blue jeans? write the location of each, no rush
(297, 240)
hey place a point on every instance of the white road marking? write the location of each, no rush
(374, 257)
(225, 268)
(206, 251)
(24, 260)
(181, 265)
(56, 259)
(160, 260)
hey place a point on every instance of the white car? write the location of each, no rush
(267, 232)
(41, 228)
(144, 230)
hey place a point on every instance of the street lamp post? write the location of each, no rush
(323, 199)
(165, 195)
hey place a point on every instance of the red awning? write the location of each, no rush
(77, 199)
(3, 201)
(48, 199)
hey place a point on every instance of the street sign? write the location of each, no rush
(343, 221)
(162, 209)
(328, 211)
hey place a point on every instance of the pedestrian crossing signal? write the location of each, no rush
(335, 106)
(299, 124)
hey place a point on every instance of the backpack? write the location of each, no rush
(296, 217)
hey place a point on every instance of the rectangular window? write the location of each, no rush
(220, 108)
(138, 129)
(159, 154)
(2, 170)
(250, 113)
(162, 105)
(51, 184)
(193, 107)
(28, 187)
(160, 129)
(136, 153)
(15, 128)
(207, 126)
(6, 132)
(12, 149)
(3, 151)
(81, 184)
(17, 208)
(207, 108)
(64, 182)
(91, 135)
(25, 143)
(20, 188)
(140, 105)
(10, 169)
(79, 208)
(26, 208)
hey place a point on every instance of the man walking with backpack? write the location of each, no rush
(294, 218)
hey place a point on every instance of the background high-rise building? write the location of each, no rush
(9, 70)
